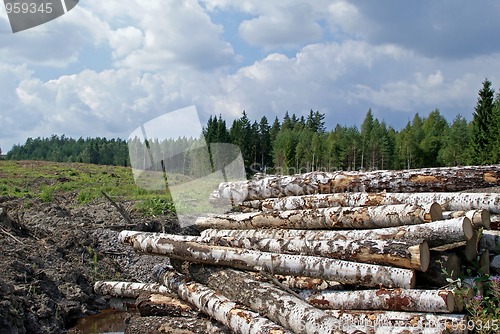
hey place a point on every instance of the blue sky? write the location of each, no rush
(106, 67)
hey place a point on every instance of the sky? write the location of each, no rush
(106, 67)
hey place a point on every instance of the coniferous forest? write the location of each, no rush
(301, 144)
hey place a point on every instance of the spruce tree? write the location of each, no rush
(483, 127)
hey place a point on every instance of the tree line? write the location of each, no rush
(302, 144)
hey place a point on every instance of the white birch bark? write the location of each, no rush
(436, 233)
(453, 201)
(326, 218)
(404, 254)
(411, 300)
(279, 306)
(479, 218)
(331, 269)
(415, 180)
(128, 289)
(219, 307)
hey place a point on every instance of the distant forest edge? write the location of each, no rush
(296, 145)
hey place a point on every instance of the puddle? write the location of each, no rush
(106, 322)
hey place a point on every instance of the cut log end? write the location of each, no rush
(467, 228)
(435, 212)
(425, 255)
(450, 301)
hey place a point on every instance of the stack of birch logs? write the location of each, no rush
(341, 252)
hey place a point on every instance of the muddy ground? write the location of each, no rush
(52, 253)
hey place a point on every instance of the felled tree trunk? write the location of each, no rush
(436, 233)
(153, 304)
(178, 325)
(128, 289)
(490, 240)
(479, 218)
(411, 300)
(405, 254)
(219, 307)
(415, 180)
(327, 218)
(279, 306)
(402, 322)
(449, 201)
(284, 264)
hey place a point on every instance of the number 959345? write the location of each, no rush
(28, 7)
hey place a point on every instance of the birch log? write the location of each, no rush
(415, 180)
(153, 304)
(478, 218)
(279, 306)
(449, 201)
(436, 233)
(404, 254)
(219, 307)
(412, 300)
(490, 240)
(319, 267)
(128, 289)
(327, 218)
(402, 322)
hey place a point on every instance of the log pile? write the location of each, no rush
(304, 256)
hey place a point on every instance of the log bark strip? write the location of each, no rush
(327, 218)
(404, 254)
(319, 267)
(435, 233)
(153, 304)
(415, 180)
(279, 306)
(219, 307)
(412, 300)
(449, 201)
(128, 289)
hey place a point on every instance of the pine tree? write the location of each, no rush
(483, 127)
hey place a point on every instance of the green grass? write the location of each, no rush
(47, 180)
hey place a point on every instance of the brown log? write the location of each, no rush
(490, 240)
(279, 306)
(484, 262)
(434, 276)
(327, 218)
(479, 218)
(404, 254)
(412, 300)
(401, 322)
(449, 201)
(218, 306)
(284, 264)
(153, 304)
(435, 233)
(175, 325)
(415, 180)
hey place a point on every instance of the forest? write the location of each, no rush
(302, 144)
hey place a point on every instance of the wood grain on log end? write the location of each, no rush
(425, 255)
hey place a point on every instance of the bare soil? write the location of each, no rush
(52, 253)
